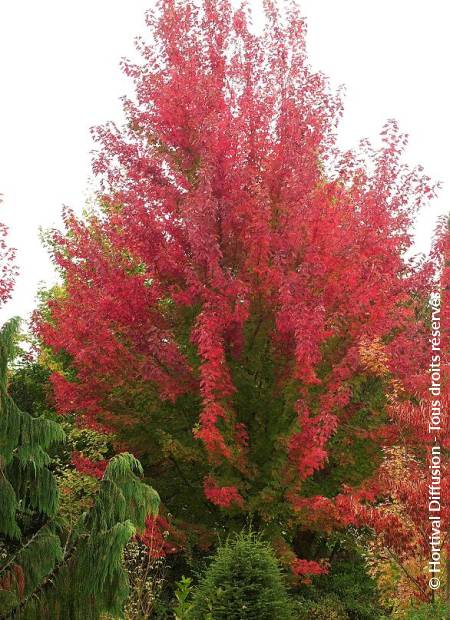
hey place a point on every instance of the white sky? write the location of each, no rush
(59, 75)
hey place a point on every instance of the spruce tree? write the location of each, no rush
(243, 582)
(46, 569)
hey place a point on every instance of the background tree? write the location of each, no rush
(215, 303)
(394, 502)
(8, 271)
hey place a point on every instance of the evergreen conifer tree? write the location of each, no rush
(243, 582)
(47, 570)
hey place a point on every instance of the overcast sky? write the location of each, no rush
(59, 75)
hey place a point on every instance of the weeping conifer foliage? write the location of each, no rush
(24, 442)
(51, 571)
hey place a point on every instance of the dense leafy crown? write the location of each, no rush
(238, 266)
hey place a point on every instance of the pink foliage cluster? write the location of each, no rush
(224, 497)
(84, 465)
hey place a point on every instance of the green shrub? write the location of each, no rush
(353, 587)
(348, 583)
(428, 611)
(243, 582)
(183, 594)
(328, 608)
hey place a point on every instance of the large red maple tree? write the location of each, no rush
(215, 300)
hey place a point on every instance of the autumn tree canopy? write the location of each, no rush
(394, 502)
(218, 302)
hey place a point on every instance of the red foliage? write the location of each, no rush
(161, 538)
(222, 496)
(84, 465)
(395, 502)
(19, 579)
(14, 580)
(8, 271)
(307, 567)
